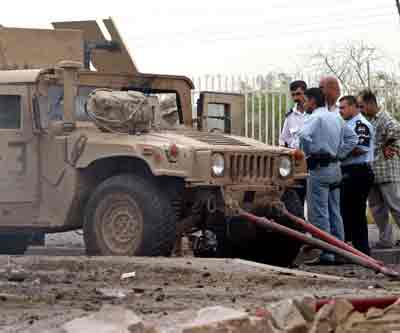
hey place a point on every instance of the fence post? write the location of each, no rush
(273, 119)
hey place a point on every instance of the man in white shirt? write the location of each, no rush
(294, 117)
(292, 125)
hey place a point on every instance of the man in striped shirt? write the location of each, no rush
(384, 196)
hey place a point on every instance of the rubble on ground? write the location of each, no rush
(183, 295)
(287, 316)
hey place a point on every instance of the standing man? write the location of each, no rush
(331, 89)
(357, 176)
(385, 192)
(294, 121)
(323, 142)
(294, 118)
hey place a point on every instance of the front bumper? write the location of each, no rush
(234, 198)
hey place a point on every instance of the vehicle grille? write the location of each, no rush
(249, 166)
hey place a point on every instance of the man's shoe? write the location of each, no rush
(307, 254)
(321, 262)
(383, 245)
(342, 261)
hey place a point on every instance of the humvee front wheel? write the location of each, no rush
(129, 216)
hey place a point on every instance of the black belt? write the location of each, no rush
(357, 166)
(321, 160)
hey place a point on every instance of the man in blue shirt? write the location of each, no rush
(324, 142)
(358, 176)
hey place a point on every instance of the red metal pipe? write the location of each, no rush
(362, 304)
(265, 223)
(313, 230)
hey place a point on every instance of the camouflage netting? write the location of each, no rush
(120, 111)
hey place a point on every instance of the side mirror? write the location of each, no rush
(36, 114)
(40, 111)
(200, 113)
(70, 70)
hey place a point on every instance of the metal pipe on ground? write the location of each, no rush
(327, 237)
(265, 223)
(362, 304)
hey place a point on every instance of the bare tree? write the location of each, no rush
(350, 63)
(398, 6)
(358, 66)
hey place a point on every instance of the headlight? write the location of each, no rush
(285, 167)
(217, 165)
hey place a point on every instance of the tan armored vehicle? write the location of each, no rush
(89, 142)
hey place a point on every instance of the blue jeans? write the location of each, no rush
(323, 200)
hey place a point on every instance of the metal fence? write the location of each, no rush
(267, 101)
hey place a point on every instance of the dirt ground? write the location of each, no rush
(39, 293)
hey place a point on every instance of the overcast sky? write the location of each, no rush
(229, 37)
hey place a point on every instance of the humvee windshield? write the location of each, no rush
(164, 104)
(10, 111)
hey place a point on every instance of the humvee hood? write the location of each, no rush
(191, 139)
(206, 140)
(99, 144)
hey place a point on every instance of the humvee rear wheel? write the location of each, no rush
(14, 243)
(129, 216)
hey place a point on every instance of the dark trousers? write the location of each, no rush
(356, 184)
(301, 191)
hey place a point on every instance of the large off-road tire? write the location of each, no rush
(257, 244)
(129, 216)
(14, 243)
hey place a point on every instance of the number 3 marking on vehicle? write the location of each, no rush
(17, 155)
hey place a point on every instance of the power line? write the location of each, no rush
(312, 27)
(291, 32)
(228, 35)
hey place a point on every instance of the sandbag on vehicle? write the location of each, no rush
(169, 113)
(120, 111)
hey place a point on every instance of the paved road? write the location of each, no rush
(55, 251)
(71, 244)
(61, 244)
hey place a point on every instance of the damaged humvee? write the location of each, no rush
(89, 142)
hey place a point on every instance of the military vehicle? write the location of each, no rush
(89, 142)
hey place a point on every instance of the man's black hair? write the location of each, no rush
(317, 95)
(368, 96)
(350, 99)
(297, 84)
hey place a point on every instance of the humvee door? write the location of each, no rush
(18, 148)
(220, 112)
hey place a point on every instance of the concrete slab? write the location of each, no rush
(388, 256)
